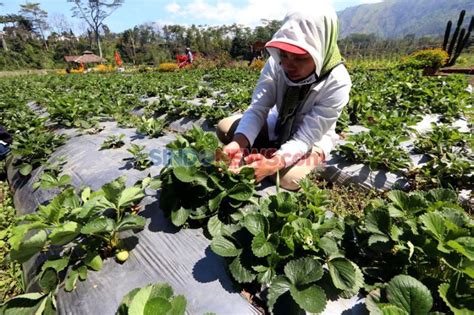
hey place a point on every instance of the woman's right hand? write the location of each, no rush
(234, 153)
(235, 150)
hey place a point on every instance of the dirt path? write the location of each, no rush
(24, 72)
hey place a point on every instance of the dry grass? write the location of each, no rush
(25, 72)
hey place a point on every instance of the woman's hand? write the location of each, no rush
(235, 150)
(235, 153)
(263, 166)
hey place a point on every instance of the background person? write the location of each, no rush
(295, 106)
(189, 55)
(5, 141)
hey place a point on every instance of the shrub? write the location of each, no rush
(103, 68)
(427, 58)
(167, 67)
(257, 64)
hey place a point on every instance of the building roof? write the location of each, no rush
(87, 57)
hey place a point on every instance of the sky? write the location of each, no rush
(183, 12)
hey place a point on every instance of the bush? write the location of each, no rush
(257, 64)
(427, 58)
(103, 68)
(168, 67)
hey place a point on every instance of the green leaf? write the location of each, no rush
(328, 245)
(184, 174)
(256, 223)
(19, 232)
(29, 247)
(378, 221)
(410, 204)
(82, 272)
(310, 298)
(48, 280)
(85, 194)
(241, 192)
(98, 226)
(56, 264)
(93, 261)
(279, 286)
(130, 196)
(137, 306)
(215, 226)
(215, 202)
(162, 290)
(261, 247)
(345, 274)
(113, 190)
(393, 310)
(130, 222)
(409, 294)
(464, 246)
(443, 291)
(434, 223)
(64, 180)
(180, 216)
(239, 272)
(303, 271)
(25, 169)
(178, 305)
(265, 274)
(223, 247)
(71, 279)
(25, 304)
(441, 194)
(156, 305)
(65, 233)
(378, 238)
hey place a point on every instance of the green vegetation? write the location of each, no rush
(86, 226)
(384, 245)
(152, 299)
(413, 244)
(11, 277)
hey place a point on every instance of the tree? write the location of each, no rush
(94, 12)
(37, 17)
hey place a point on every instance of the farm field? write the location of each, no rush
(328, 241)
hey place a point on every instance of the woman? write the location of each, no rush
(299, 97)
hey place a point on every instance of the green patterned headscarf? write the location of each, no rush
(315, 30)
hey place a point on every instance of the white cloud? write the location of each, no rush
(247, 12)
(173, 7)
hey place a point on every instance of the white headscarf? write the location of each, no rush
(314, 30)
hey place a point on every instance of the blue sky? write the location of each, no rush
(185, 12)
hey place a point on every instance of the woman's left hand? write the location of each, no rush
(263, 166)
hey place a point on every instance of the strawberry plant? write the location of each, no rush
(51, 176)
(152, 299)
(427, 236)
(449, 159)
(152, 127)
(283, 243)
(216, 190)
(376, 148)
(75, 232)
(140, 160)
(33, 147)
(113, 142)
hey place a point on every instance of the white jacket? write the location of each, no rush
(316, 120)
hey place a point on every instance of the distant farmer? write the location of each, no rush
(189, 55)
(290, 123)
(5, 141)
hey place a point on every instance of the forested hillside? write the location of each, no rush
(397, 18)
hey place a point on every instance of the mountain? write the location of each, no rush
(397, 18)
